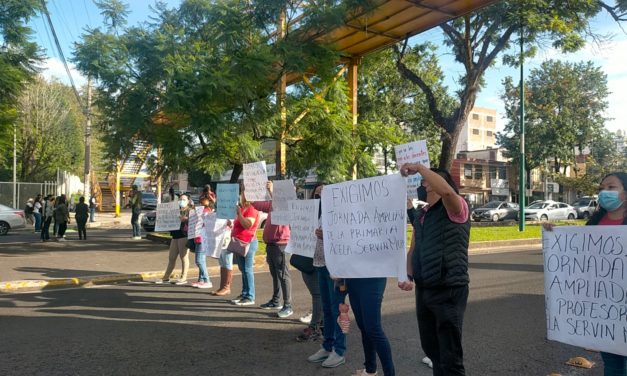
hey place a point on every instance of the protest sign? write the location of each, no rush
(214, 231)
(585, 286)
(255, 181)
(365, 227)
(282, 192)
(168, 217)
(413, 152)
(194, 222)
(303, 224)
(226, 201)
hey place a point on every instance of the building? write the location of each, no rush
(479, 132)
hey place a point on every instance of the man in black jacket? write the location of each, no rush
(438, 265)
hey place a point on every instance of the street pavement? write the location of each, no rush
(146, 329)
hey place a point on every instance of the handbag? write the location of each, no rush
(238, 247)
(191, 245)
(302, 263)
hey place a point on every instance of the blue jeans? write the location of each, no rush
(331, 297)
(92, 214)
(614, 365)
(366, 296)
(245, 265)
(201, 263)
(135, 223)
(226, 259)
(37, 221)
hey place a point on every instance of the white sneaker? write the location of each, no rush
(320, 356)
(306, 319)
(427, 361)
(204, 285)
(137, 238)
(362, 372)
(61, 239)
(181, 282)
(333, 360)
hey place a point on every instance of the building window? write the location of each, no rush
(478, 172)
(490, 119)
(489, 133)
(493, 172)
(475, 116)
(503, 173)
(475, 131)
(468, 171)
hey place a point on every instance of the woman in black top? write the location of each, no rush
(82, 214)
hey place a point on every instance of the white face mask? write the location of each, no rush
(183, 203)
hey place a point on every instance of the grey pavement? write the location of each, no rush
(147, 329)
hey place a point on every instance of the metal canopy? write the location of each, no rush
(390, 21)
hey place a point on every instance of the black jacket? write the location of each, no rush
(440, 257)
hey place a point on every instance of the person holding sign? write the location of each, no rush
(438, 265)
(276, 238)
(201, 252)
(178, 245)
(244, 229)
(612, 211)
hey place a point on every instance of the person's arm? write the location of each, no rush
(264, 206)
(450, 199)
(246, 222)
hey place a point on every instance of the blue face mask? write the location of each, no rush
(609, 200)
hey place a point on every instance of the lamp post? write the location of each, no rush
(15, 165)
(522, 186)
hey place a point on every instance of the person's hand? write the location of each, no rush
(409, 169)
(229, 223)
(318, 233)
(406, 285)
(198, 240)
(410, 203)
(238, 209)
(269, 186)
(548, 226)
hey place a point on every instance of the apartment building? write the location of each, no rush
(479, 132)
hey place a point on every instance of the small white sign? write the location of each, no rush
(413, 152)
(194, 222)
(282, 192)
(255, 181)
(168, 217)
(304, 223)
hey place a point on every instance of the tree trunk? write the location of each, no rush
(237, 171)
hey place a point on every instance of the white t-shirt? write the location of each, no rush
(36, 207)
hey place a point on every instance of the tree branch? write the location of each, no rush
(498, 47)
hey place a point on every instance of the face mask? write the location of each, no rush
(422, 193)
(182, 203)
(609, 200)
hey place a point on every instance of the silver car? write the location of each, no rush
(549, 211)
(11, 219)
(496, 211)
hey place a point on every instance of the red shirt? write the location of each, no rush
(609, 222)
(246, 234)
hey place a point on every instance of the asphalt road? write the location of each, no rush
(144, 329)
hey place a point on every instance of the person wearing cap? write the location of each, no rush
(136, 209)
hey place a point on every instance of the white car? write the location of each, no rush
(549, 211)
(11, 219)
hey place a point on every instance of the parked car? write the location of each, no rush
(11, 219)
(148, 220)
(496, 211)
(585, 206)
(149, 201)
(549, 211)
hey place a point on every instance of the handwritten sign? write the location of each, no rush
(303, 225)
(214, 231)
(364, 224)
(413, 152)
(282, 192)
(227, 199)
(194, 222)
(255, 180)
(168, 217)
(585, 286)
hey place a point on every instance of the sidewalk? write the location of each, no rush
(111, 256)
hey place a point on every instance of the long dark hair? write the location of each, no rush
(600, 212)
(447, 176)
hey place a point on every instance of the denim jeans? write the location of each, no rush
(92, 214)
(201, 263)
(135, 224)
(226, 260)
(366, 296)
(37, 221)
(245, 265)
(614, 365)
(334, 339)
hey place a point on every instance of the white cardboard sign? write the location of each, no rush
(413, 152)
(214, 231)
(282, 192)
(194, 222)
(255, 181)
(168, 217)
(364, 225)
(303, 225)
(585, 286)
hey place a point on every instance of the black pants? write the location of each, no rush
(279, 270)
(45, 230)
(82, 229)
(440, 315)
(62, 228)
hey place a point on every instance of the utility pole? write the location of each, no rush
(15, 165)
(87, 170)
(281, 147)
(522, 177)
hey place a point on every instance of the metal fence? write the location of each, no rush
(24, 192)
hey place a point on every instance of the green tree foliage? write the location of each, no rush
(476, 40)
(564, 108)
(50, 131)
(18, 59)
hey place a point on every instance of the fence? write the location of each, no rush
(24, 192)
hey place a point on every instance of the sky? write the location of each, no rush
(71, 17)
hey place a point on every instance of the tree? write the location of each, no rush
(476, 40)
(49, 131)
(564, 107)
